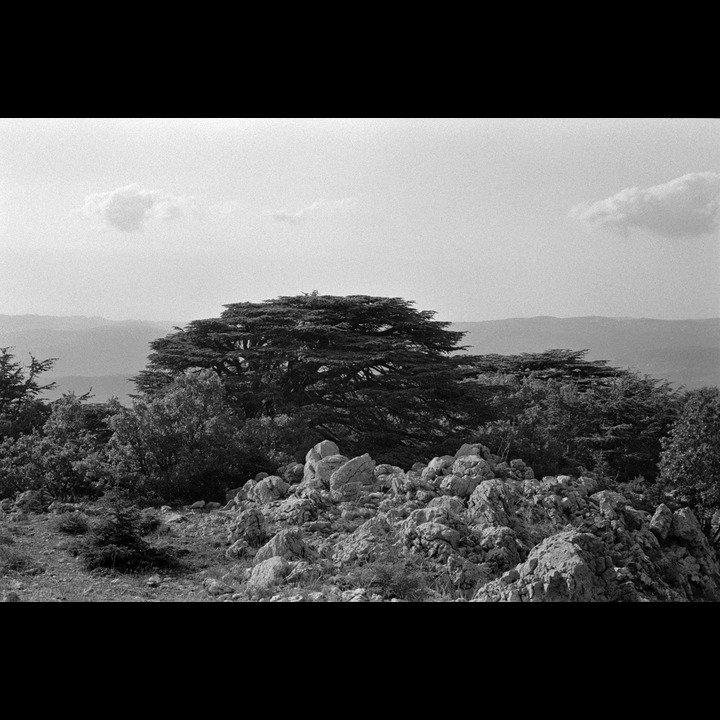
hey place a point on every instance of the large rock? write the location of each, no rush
(325, 467)
(685, 527)
(492, 502)
(475, 449)
(611, 503)
(500, 547)
(473, 465)
(435, 531)
(268, 489)
(315, 454)
(351, 478)
(567, 567)
(459, 485)
(661, 521)
(268, 574)
(438, 467)
(292, 511)
(366, 543)
(248, 526)
(287, 544)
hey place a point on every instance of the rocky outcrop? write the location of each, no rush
(486, 529)
(351, 478)
(287, 543)
(268, 573)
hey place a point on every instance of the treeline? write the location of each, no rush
(253, 389)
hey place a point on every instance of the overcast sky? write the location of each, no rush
(477, 219)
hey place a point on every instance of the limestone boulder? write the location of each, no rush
(317, 453)
(364, 544)
(685, 527)
(292, 511)
(325, 467)
(268, 574)
(268, 489)
(249, 526)
(661, 521)
(351, 478)
(491, 502)
(474, 465)
(288, 544)
(569, 566)
(459, 485)
(438, 466)
(433, 531)
(476, 449)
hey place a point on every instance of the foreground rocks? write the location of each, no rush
(464, 527)
(482, 529)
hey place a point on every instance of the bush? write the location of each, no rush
(73, 523)
(183, 445)
(609, 425)
(61, 459)
(14, 560)
(115, 542)
(690, 461)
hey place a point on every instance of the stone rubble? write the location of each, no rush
(490, 529)
(485, 529)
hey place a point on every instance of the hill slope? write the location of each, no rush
(90, 351)
(685, 352)
(105, 354)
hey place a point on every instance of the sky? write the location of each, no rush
(472, 218)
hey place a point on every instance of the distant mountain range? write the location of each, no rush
(102, 354)
(91, 352)
(685, 352)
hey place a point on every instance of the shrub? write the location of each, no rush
(182, 445)
(690, 461)
(14, 560)
(72, 523)
(61, 459)
(115, 542)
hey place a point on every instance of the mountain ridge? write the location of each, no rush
(105, 354)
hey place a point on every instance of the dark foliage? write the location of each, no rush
(183, 444)
(115, 542)
(61, 458)
(562, 414)
(690, 461)
(20, 409)
(370, 373)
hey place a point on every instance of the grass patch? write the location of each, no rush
(391, 578)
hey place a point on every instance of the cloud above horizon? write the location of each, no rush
(688, 206)
(128, 208)
(319, 207)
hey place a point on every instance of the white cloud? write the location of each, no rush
(687, 206)
(129, 208)
(319, 207)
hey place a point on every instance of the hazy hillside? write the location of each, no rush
(685, 352)
(90, 351)
(105, 354)
(102, 387)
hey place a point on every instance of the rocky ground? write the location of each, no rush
(466, 527)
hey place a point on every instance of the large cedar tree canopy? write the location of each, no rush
(357, 366)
